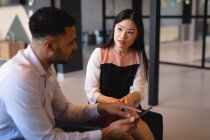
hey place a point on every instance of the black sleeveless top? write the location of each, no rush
(117, 74)
(115, 81)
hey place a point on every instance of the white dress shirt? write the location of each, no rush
(30, 100)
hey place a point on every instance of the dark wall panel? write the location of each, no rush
(75, 63)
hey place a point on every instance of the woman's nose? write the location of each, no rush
(123, 34)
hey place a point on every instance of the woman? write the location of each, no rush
(117, 71)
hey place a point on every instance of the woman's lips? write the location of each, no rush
(122, 42)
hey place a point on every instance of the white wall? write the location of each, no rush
(91, 15)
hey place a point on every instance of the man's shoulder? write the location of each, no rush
(17, 68)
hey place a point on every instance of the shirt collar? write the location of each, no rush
(35, 61)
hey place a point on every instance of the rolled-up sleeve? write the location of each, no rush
(139, 82)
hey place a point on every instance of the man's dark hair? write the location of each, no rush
(49, 21)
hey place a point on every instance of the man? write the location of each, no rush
(30, 96)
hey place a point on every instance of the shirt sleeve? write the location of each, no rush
(63, 110)
(139, 82)
(92, 76)
(25, 107)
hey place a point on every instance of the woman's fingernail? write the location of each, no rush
(132, 119)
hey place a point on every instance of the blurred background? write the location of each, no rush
(179, 59)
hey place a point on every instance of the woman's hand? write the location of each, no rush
(127, 100)
(132, 99)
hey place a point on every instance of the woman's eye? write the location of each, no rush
(130, 33)
(119, 29)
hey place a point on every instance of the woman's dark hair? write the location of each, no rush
(139, 41)
(49, 21)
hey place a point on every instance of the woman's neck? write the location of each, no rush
(120, 51)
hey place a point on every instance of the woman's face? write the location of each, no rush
(125, 33)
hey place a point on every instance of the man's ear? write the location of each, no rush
(48, 45)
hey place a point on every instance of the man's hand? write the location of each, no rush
(117, 108)
(120, 129)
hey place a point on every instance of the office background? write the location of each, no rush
(183, 61)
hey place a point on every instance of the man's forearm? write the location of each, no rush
(81, 112)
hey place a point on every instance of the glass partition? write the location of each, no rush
(181, 43)
(171, 7)
(146, 23)
(207, 55)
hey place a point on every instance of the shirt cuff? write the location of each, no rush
(95, 135)
(93, 110)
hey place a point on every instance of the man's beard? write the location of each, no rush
(58, 61)
(61, 61)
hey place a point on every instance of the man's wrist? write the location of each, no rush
(104, 133)
(101, 108)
